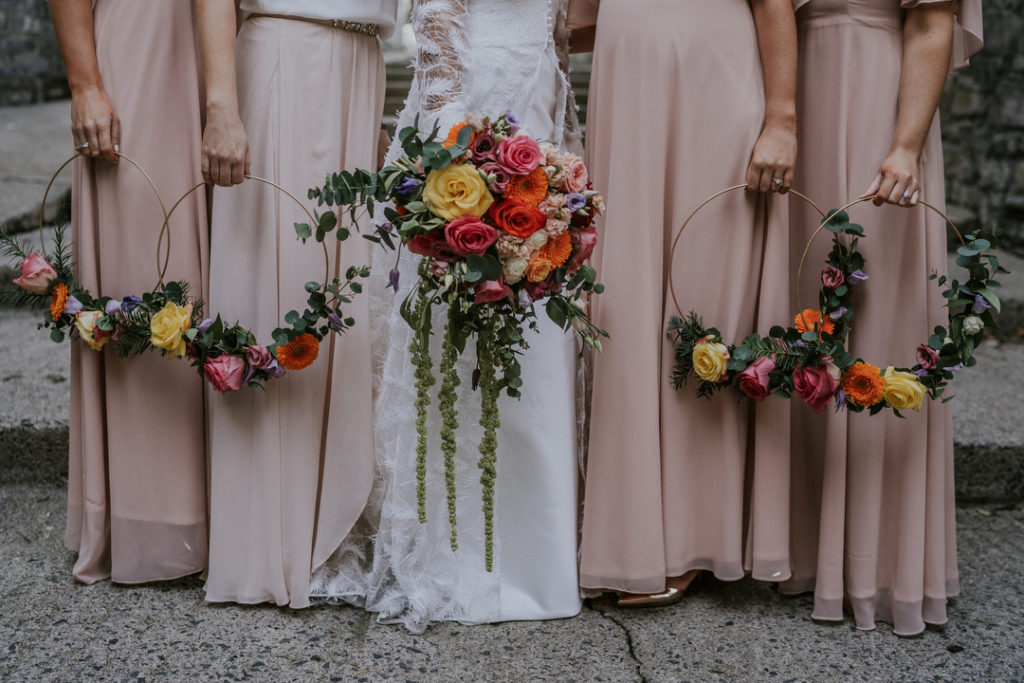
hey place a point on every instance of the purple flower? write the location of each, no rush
(501, 176)
(838, 313)
(525, 300)
(799, 344)
(483, 147)
(112, 307)
(575, 201)
(393, 279)
(407, 186)
(72, 306)
(840, 400)
(335, 322)
(205, 325)
(927, 357)
(274, 370)
(980, 305)
(130, 303)
(859, 275)
(954, 368)
(249, 375)
(920, 372)
(512, 120)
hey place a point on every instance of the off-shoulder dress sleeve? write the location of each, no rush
(967, 33)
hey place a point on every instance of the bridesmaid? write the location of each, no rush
(137, 470)
(292, 466)
(873, 499)
(677, 484)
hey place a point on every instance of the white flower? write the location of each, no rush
(537, 240)
(973, 325)
(514, 270)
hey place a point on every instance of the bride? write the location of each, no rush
(481, 57)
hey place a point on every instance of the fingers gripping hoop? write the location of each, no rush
(165, 230)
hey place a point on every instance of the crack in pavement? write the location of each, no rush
(629, 641)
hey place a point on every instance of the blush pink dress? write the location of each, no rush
(674, 482)
(137, 468)
(872, 497)
(291, 466)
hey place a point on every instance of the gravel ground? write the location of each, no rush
(52, 629)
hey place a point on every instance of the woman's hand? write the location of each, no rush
(772, 161)
(95, 125)
(898, 180)
(225, 150)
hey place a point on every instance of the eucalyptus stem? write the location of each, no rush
(420, 351)
(449, 415)
(490, 421)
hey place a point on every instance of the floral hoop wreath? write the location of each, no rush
(168, 319)
(809, 357)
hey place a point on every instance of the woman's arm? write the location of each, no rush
(927, 42)
(774, 155)
(94, 121)
(225, 145)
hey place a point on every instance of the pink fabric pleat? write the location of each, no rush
(676, 104)
(137, 463)
(873, 521)
(292, 465)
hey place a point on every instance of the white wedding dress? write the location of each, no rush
(484, 57)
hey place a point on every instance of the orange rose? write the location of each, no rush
(516, 218)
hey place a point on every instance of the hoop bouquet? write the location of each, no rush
(503, 223)
(169, 319)
(809, 358)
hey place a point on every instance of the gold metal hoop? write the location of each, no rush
(708, 200)
(53, 179)
(162, 266)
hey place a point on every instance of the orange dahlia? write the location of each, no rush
(530, 189)
(299, 352)
(864, 384)
(809, 319)
(59, 300)
(557, 250)
(453, 135)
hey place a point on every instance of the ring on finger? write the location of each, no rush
(777, 181)
(84, 145)
(906, 194)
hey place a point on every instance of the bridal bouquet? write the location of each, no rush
(504, 223)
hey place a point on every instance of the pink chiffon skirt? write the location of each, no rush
(137, 463)
(291, 466)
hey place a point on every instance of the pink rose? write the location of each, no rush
(815, 385)
(927, 357)
(501, 177)
(258, 356)
(491, 290)
(468, 236)
(583, 242)
(36, 274)
(754, 380)
(431, 244)
(519, 155)
(575, 174)
(225, 372)
(832, 277)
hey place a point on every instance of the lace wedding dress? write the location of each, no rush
(484, 57)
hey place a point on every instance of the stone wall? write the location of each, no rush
(983, 128)
(30, 64)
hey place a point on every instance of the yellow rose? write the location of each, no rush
(167, 328)
(457, 190)
(86, 321)
(710, 359)
(903, 391)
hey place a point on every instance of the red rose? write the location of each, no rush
(816, 386)
(544, 288)
(431, 244)
(468, 235)
(583, 243)
(516, 218)
(754, 380)
(491, 290)
(519, 155)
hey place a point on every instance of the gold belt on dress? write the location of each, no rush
(352, 26)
